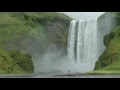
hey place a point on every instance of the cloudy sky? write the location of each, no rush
(83, 15)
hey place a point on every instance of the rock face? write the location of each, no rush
(106, 23)
(34, 32)
(10, 63)
(110, 59)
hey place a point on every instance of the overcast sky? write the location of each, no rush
(83, 15)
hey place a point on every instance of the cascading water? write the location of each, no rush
(71, 40)
(82, 44)
(85, 45)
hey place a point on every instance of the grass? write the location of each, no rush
(29, 32)
(16, 27)
(7, 64)
(109, 62)
(14, 62)
(48, 15)
(103, 72)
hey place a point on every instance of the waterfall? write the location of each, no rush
(71, 40)
(82, 43)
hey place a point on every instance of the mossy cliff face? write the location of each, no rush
(24, 61)
(10, 63)
(106, 23)
(110, 59)
(33, 32)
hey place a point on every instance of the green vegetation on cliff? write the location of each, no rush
(23, 60)
(110, 59)
(11, 65)
(30, 32)
(33, 31)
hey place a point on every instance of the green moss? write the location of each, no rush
(24, 61)
(110, 59)
(13, 62)
(32, 32)
(7, 64)
(118, 18)
(103, 72)
(26, 30)
(108, 38)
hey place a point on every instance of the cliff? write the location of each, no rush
(106, 23)
(14, 62)
(34, 33)
(110, 59)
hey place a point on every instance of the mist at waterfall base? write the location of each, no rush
(82, 51)
(56, 63)
(83, 45)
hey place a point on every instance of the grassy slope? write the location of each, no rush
(109, 62)
(14, 62)
(7, 64)
(21, 28)
(22, 31)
